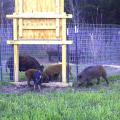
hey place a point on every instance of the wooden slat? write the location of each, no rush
(16, 6)
(39, 27)
(39, 15)
(39, 5)
(62, 4)
(36, 42)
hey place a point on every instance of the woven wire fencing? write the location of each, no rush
(92, 45)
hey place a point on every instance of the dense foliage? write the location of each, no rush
(84, 11)
(94, 11)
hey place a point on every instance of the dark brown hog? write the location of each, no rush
(90, 73)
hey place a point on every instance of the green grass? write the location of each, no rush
(5, 84)
(22, 76)
(114, 78)
(103, 104)
(61, 106)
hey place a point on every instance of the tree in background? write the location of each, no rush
(84, 11)
(74, 7)
(94, 11)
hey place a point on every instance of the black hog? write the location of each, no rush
(90, 73)
(25, 63)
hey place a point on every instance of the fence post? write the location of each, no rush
(76, 31)
(68, 69)
(0, 61)
(59, 54)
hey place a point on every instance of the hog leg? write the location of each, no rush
(98, 81)
(88, 82)
(60, 77)
(39, 87)
(28, 83)
(34, 87)
(106, 79)
(11, 74)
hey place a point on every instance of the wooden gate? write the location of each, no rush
(39, 22)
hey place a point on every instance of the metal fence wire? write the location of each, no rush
(93, 44)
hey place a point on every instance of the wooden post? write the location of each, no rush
(64, 71)
(16, 52)
(15, 37)
(64, 60)
(20, 20)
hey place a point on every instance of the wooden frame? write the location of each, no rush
(39, 16)
(48, 18)
(36, 42)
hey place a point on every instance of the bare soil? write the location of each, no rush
(21, 88)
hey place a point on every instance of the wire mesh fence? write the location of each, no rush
(92, 44)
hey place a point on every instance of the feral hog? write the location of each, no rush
(92, 72)
(35, 75)
(25, 63)
(54, 72)
(53, 53)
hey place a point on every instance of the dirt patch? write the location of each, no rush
(12, 89)
(21, 88)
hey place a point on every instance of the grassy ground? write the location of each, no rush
(66, 105)
(5, 84)
(61, 106)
